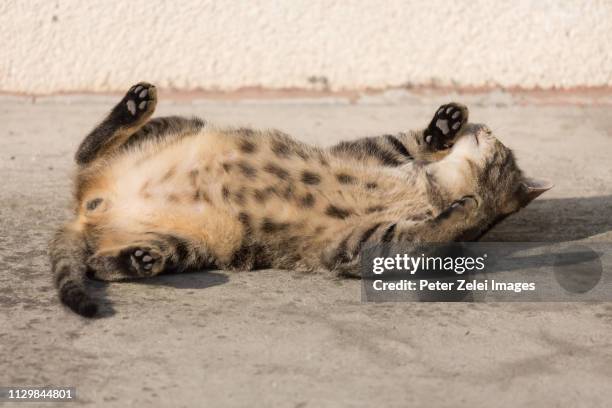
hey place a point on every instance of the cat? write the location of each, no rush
(172, 194)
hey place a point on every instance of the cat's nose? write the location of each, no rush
(481, 129)
(483, 134)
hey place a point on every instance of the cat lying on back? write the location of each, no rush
(173, 194)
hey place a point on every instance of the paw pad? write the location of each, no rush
(145, 261)
(139, 97)
(445, 125)
(137, 105)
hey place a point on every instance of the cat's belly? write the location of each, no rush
(162, 181)
(170, 190)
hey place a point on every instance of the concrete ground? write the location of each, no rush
(280, 338)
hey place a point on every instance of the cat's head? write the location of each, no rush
(501, 187)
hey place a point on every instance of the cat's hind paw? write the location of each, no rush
(445, 125)
(144, 261)
(137, 105)
(134, 261)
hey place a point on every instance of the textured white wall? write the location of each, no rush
(75, 45)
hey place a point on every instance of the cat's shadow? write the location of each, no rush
(556, 220)
(188, 280)
(547, 221)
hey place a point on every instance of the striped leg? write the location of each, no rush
(430, 144)
(451, 224)
(127, 117)
(386, 150)
(147, 256)
(163, 127)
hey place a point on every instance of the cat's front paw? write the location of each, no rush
(445, 125)
(465, 203)
(459, 210)
(137, 105)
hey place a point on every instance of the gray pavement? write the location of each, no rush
(280, 338)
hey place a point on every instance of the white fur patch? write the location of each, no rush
(466, 148)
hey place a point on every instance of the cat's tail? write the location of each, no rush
(68, 251)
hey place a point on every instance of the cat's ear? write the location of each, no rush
(532, 188)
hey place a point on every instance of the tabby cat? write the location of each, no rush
(173, 194)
